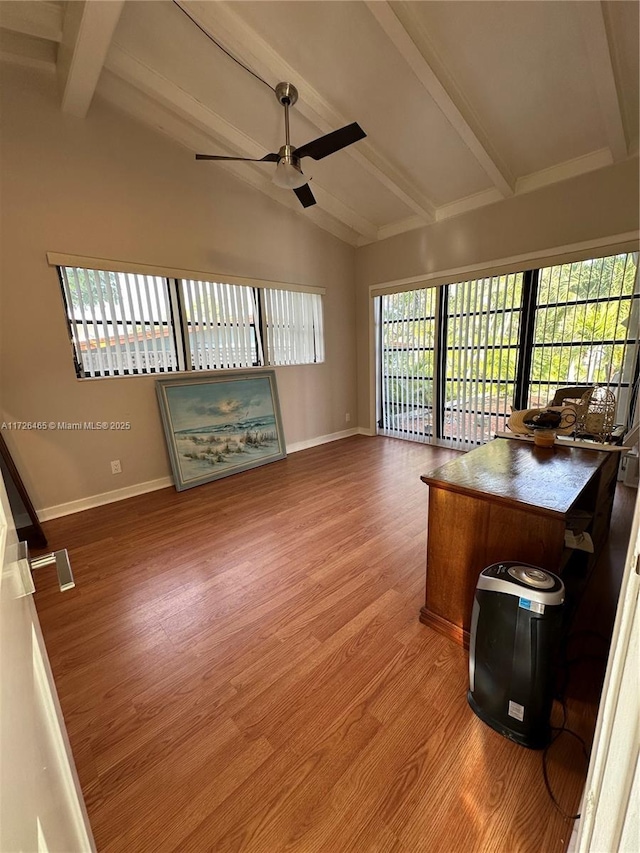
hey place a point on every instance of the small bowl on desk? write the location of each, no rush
(544, 437)
(544, 426)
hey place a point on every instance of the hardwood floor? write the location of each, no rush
(241, 667)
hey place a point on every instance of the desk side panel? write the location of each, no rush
(465, 535)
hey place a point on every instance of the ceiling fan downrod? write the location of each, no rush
(287, 95)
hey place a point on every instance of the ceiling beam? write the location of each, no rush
(20, 49)
(158, 87)
(449, 100)
(164, 91)
(226, 25)
(594, 31)
(86, 36)
(565, 170)
(41, 20)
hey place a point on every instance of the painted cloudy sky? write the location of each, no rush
(226, 402)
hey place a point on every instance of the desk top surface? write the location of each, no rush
(549, 479)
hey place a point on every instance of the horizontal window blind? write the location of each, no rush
(294, 327)
(221, 325)
(120, 322)
(407, 331)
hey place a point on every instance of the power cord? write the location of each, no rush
(565, 664)
(545, 773)
(223, 49)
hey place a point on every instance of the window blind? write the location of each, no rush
(119, 322)
(508, 341)
(407, 337)
(586, 328)
(134, 322)
(482, 322)
(220, 325)
(294, 326)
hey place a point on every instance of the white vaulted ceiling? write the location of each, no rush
(464, 103)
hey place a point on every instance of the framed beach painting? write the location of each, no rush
(219, 425)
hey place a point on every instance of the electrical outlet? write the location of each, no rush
(116, 467)
(347, 417)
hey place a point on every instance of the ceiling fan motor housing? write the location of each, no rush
(286, 94)
(287, 153)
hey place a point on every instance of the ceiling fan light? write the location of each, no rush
(288, 175)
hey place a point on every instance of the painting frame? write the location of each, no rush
(217, 425)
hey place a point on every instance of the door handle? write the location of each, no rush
(59, 559)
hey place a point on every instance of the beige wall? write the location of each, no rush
(592, 208)
(108, 187)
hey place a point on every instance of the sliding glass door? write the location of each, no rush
(454, 360)
(407, 347)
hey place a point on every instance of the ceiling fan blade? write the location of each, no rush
(331, 142)
(305, 195)
(268, 158)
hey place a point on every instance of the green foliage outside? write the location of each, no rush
(93, 288)
(483, 329)
(613, 278)
(408, 347)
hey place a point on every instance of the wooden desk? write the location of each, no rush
(507, 500)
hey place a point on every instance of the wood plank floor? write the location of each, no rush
(241, 667)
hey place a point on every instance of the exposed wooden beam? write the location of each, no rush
(469, 202)
(130, 69)
(31, 52)
(86, 36)
(449, 100)
(563, 171)
(172, 97)
(42, 20)
(227, 26)
(594, 31)
(399, 227)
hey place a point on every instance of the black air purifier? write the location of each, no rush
(515, 632)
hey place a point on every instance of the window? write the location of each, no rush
(120, 322)
(294, 326)
(127, 323)
(221, 325)
(584, 334)
(482, 324)
(407, 332)
(454, 360)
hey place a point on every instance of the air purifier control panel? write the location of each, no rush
(537, 578)
(522, 579)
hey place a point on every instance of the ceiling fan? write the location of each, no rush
(288, 173)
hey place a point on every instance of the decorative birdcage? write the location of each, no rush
(596, 414)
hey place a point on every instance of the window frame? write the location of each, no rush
(85, 370)
(177, 321)
(525, 347)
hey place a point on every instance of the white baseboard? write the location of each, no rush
(48, 513)
(321, 439)
(104, 498)
(367, 431)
